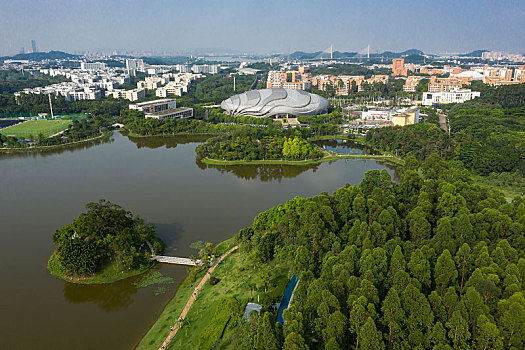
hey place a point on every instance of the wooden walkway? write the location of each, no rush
(192, 298)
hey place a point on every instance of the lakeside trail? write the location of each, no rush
(192, 298)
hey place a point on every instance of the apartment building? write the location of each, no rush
(92, 65)
(446, 84)
(411, 83)
(132, 95)
(398, 67)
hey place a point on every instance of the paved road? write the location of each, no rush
(192, 298)
(443, 122)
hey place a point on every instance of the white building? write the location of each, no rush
(377, 115)
(205, 68)
(132, 95)
(92, 66)
(137, 64)
(455, 96)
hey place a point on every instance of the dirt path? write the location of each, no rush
(190, 301)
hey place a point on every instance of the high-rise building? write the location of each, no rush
(33, 45)
(137, 64)
(398, 67)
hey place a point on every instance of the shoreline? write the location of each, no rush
(44, 148)
(160, 328)
(131, 134)
(328, 158)
(100, 278)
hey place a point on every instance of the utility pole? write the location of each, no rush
(50, 106)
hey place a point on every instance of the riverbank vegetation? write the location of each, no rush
(432, 262)
(102, 245)
(240, 282)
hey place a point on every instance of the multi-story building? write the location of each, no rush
(132, 95)
(155, 106)
(446, 84)
(92, 65)
(492, 55)
(454, 96)
(137, 64)
(206, 68)
(177, 113)
(398, 67)
(411, 83)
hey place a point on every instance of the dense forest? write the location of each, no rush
(487, 135)
(434, 261)
(257, 148)
(104, 235)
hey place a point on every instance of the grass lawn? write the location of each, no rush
(112, 273)
(36, 127)
(235, 277)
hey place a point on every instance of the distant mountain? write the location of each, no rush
(40, 56)
(475, 53)
(301, 55)
(390, 54)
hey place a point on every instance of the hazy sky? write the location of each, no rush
(434, 26)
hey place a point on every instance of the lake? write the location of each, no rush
(157, 179)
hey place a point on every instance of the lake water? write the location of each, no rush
(344, 147)
(157, 179)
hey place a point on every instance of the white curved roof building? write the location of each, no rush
(275, 102)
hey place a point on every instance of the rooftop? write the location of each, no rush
(169, 111)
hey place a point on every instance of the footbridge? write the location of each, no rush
(176, 260)
(172, 259)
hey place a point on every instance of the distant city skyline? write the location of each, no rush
(262, 27)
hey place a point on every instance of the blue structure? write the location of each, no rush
(285, 301)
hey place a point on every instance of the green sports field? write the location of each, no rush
(35, 127)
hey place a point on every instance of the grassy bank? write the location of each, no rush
(327, 158)
(238, 279)
(132, 134)
(63, 145)
(112, 273)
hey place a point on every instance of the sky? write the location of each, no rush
(262, 26)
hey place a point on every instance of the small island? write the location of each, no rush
(254, 148)
(103, 245)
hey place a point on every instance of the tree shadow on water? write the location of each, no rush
(109, 297)
(170, 235)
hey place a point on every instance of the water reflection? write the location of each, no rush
(265, 173)
(345, 147)
(109, 297)
(170, 234)
(166, 141)
(42, 152)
